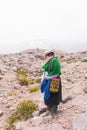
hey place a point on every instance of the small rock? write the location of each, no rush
(47, 113)
(85, 59)
(1, 95)
(35, 114)
(4, 102)
(10, 98)
(36, 121)
(86, 76)
(66, 99)
(0, 71)
(1, 113)
(19, 125)
(14, 69)
(12, 109)
(85, 89)
(41, 104)
(42, 110)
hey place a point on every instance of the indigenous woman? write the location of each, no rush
(52, 69)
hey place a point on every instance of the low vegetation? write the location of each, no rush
(24, 111)
(31, 81)
(1, 78)
(68, 61)
(12, 94)
(22, 77)
(33, 89)
(9, 127)
(38, 80)
(21, 72)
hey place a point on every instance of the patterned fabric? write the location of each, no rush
(54, 85)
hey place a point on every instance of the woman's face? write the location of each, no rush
(46, 57)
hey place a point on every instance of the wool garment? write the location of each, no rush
(52, 67)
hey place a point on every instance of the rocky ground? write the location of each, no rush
(72, 113)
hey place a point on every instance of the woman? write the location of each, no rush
(51, 69)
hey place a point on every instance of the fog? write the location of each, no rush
(18, 47)
(58, 24)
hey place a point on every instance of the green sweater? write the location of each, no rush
(52, 67)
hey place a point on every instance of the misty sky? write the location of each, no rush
(60, 24)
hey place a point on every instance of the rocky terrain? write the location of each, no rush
(72, 112)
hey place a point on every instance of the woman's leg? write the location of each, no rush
(54, 109)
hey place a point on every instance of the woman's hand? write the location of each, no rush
(46, 77)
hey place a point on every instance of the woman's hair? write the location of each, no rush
(50, 54)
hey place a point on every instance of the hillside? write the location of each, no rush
(72, 113)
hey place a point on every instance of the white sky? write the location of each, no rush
(60, 24)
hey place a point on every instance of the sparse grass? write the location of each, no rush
(38, 80)
(73, 61)
(12, 94)
(31, 81)
(1, 78)
(26, 108)
(22, 77)
(68, 61)
(33, 89)
(24, 111)
(23, 82)
(13, 118)
(9, 127)
(21, 72)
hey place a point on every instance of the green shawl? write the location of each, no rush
(52, 67)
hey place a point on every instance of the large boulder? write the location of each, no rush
(84, 60)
